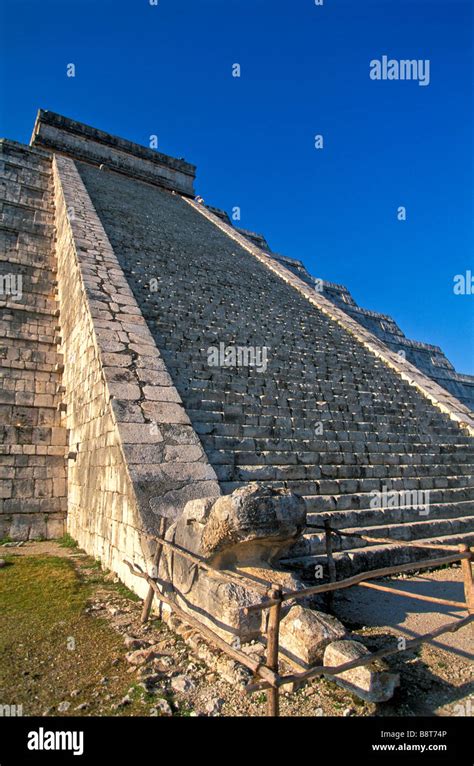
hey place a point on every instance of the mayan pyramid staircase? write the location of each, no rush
(32, 433)
(378, 432)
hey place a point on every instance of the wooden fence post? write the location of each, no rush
(467, 575)
(156, 563)
(331, 563)
(273, 633)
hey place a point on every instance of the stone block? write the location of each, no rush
(305, 633)
(374, 682)
(252, 524)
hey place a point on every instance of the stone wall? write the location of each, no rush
(133, 455)
(32, 429)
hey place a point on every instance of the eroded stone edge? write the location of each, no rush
(171, 483)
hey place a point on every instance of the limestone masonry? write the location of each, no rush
(116, 286)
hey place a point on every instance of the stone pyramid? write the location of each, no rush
(153, 354)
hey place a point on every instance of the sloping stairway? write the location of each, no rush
(326, 419)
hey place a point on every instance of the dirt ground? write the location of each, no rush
(71, 643)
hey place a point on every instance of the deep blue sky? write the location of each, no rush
(166, 70)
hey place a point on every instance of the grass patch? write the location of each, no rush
(50, 646)
(122, 590)
(66, 541)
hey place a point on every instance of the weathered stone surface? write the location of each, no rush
(253, 524)
(133, 643)
(141, 656)
(304, 633)
(182, 684)
(217, 603)
(213, 706)
(373, 682)
(122, 478)
(161, 707)
(58, 133)
(249, 528)
(33, 433)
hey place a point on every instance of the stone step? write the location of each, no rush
(442, 481)
(307, 488)
(13, 171)
(293, 444)
(358, 437)
(31, 306)
(51, 340)
(301, 441)
(32, 322)
(280, 471)
(25, 451)
(26, 161)
(21, 340)
(40, 367)
(54, 436)
(16, 356)
(372, 557)
(20, 416)
(282, 386)
(337, 419)
(18, 193)
(26, 505)
(344, 421)
(329, 396)
(36, 213)
(37, 456)
(314, 543)
(375, 516)
(282, 383)
(25, 265)
(31, 300)
(320, 503)
(338, 411)
(328, 462)
(21, 219)
(35, 459)
(20, 494)
(31, 172)
(34, 287)
(37, 398)
(23, 392)
(365, 500)
(35, 261)
(347, 475)
(310, 376)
